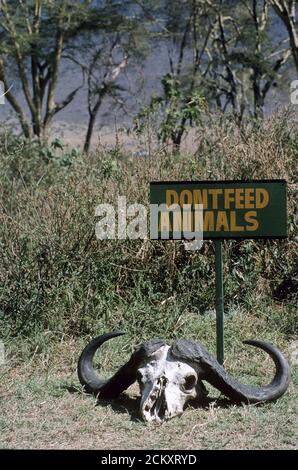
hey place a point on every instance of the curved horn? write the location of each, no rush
(123, 378)
(86, 373)
(210, 370)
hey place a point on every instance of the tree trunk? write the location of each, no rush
(92, 119)
(258, 97)
(287, 14)
(176, 140)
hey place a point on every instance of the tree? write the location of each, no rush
(286, 10)
(255, 54)
(224, 78)
(102, 73)
(106, 56)
(243, 62)
(221, 53)
(172, 110)
(183, 27)
(34, 35)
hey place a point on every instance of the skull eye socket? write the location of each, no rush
(189, 382)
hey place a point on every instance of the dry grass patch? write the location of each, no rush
(43, 407)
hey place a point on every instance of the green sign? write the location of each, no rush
(230, 209)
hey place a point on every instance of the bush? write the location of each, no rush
(55, 275)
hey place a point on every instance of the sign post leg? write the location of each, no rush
(219, 301)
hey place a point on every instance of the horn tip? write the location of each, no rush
(251, 342)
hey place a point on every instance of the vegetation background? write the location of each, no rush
(60, 286)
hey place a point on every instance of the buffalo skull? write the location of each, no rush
(171, 376)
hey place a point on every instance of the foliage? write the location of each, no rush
(228, 61)
(172, 111)
(36, 36)
(56, 276)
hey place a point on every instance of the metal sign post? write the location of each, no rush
(219, 302)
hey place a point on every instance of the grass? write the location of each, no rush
(43, 406)
(60, 286)
(38, 411)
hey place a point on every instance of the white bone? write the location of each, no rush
(166, 386)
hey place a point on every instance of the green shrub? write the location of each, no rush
(56, 276)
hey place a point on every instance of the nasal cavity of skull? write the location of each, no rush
(162, 381)
(189, 382)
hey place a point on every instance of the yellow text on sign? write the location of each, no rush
(220, 209)
(228, 198)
